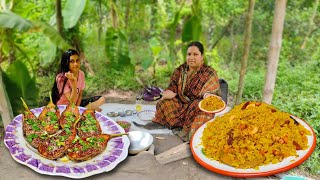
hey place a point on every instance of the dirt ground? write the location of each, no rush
(123, 97)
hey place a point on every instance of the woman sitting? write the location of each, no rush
(190, 83)
(70, 83)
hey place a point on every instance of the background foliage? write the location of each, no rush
(124, 39)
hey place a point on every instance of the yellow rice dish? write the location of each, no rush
(253, 134)
(212, 103)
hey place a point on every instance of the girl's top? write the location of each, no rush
(67, 88)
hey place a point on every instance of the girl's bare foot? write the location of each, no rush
(99, 110)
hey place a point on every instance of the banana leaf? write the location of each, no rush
(18, 83)
(6, 114)
(155, 46)
(191, 31)
(52, 34)
(117, 49)
(71, 13)
(11, 20)
(47, 53)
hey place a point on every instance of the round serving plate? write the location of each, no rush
(215, 111)
(146, 115)
(115, 152)
(267, 170)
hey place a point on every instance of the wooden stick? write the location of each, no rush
(24, 104)
(116, 135)
(174, 154)
(50, 96)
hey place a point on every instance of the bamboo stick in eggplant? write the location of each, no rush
(32, 129)
(49, 117)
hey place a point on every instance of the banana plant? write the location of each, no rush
(191, 31)
(71, 13)
(192, 28)
(19, 83)
(156, 48)
(117, 50)
(173, 26)
(6, 114)
(10, 20)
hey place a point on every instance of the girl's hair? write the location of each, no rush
(64, 67)
(198, 45)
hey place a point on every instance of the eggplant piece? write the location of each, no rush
(150, 97)
(156, 89)
(147, 90)
(72, 108)
(32, 129)
(57, 145)
(85, 149)
(69, 116)
(49, 117)
(152, 94)
(88, 125)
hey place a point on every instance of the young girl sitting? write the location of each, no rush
(70, 82)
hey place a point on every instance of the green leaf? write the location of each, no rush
(191, 30)
(20, 84)
(117, 49)
(52, 34)
(155, 46)
(71, 13)
(11, 20)
(146, 62)
(47, 57)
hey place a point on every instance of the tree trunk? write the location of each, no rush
(311, 24)
(126, 19)
(86, 64)
(247, 42)
(100, 21)
(274, 50)
(172, 34)
(234, 44)
(2, 58)
(59, 17)
(9, 36)
(5, 106)
(114, 17)
(76, 43)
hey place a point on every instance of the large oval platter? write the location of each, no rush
(267, 170)
(22, 152)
